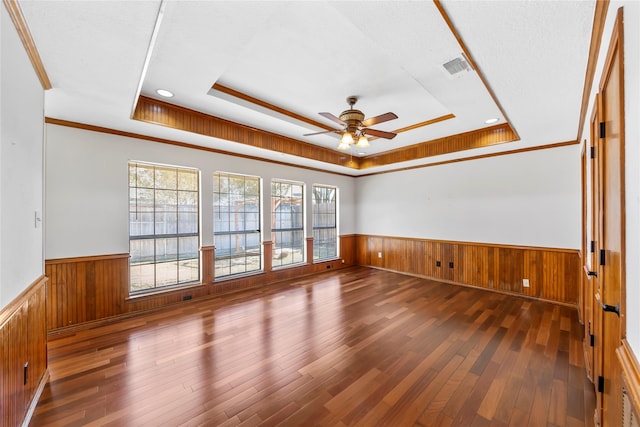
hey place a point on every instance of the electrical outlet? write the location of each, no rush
(379, 254)
(525, 283)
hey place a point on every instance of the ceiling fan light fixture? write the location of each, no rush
(363, 142)
(347, 138)
(355, 126)
(343, 146)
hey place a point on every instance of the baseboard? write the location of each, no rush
(546, 274)
(496, 291)
(36, 398)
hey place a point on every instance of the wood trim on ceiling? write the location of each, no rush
(92, 128)
(480, 156)
(484, 137)
(425, 123)
(597, 30)
(268, 106)
(162, 113)
(15, 12)
(261, 103)
(472, 62)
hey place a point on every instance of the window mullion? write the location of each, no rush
(155, 242)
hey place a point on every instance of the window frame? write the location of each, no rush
(281, 252)
(245, 232)
(316, 229)
(179, 245)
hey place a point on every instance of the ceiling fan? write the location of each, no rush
(356, 127)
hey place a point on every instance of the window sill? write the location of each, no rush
(163, 291)
(237, 276)
(320, 261)
(284, 267)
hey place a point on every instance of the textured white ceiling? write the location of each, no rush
(307, 57)
(534, 56)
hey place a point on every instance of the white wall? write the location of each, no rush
(21, 117)
(632, 169)
(87, 188)
(530, 198)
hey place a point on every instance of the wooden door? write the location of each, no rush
(608, 296)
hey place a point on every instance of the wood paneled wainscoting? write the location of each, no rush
(631, 383)
(23, 354)
(85, 290)
(553, 274)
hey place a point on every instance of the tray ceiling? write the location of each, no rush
(273, 66)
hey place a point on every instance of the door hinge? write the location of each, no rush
(600, 384)
(601, 256)
(593, 152)
(593, 246)
(603, 130)
(592, 340)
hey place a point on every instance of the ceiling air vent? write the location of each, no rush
(457, 65)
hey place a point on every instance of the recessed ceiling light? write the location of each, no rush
(165, 93)
(361, 153)
(491, 121)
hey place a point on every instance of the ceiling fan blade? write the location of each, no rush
(379, 133)
(320, 133)
(379, 119)
(333, 118)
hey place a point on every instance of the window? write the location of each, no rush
(287, 223)
(163, 226)
(325, 233)
(236, 224)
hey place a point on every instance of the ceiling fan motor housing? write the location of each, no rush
(353, 119)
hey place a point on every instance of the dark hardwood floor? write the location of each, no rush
(351, 347)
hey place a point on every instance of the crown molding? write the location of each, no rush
(15, 12)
